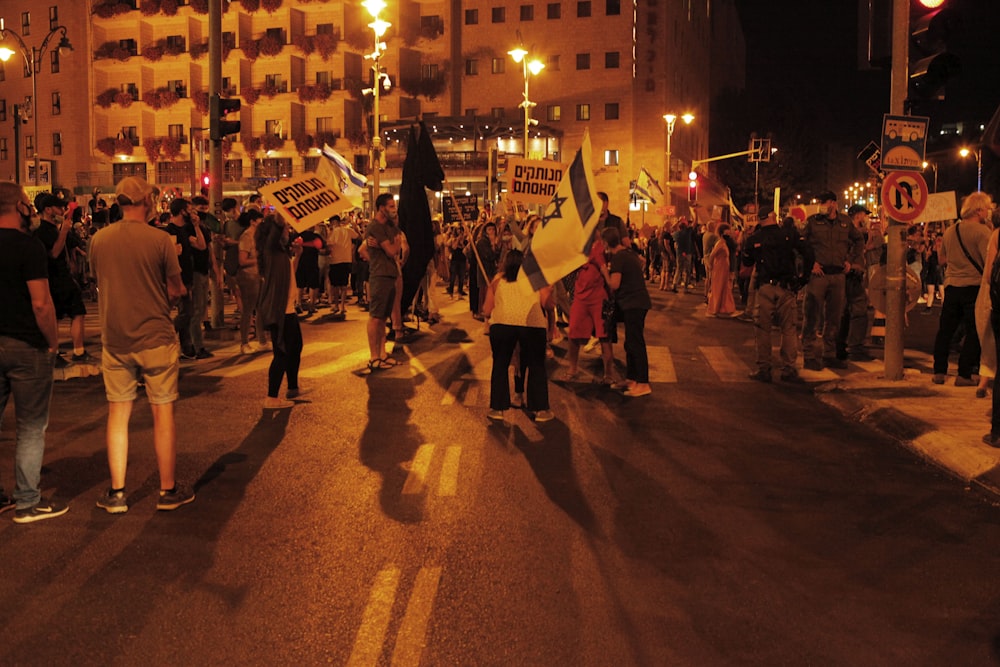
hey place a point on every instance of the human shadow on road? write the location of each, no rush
(389, 442)
(172, 553)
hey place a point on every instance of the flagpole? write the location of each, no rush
(468, 230)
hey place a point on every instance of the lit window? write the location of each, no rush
(610, 158)
(471, 67)
(553, 113)
(499, 65)
(583, 112)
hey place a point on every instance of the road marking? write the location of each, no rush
(448, 483)
(453, 389)
(726, 364)
(261, 360)
(421, 463)
(375, 620)
(416, 367)
(661, 364)
(411, 637)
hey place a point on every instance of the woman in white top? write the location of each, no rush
(517, 318)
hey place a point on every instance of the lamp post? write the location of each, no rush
(671, 121)
(380, 80)
(978, 152)
(32, 60)
(532, 66)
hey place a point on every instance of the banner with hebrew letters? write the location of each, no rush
(533, 181)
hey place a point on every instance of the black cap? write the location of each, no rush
(46, 199)
(826, 196)
(858, 208)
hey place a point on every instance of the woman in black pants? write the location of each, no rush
(276, 307)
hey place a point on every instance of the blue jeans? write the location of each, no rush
(26, 374)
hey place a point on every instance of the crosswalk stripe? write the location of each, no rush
(262, 360)
(661, 364)
(375, 620)
(452, 393)
(726, 363)
(410, 640)
(448, 484)
(417, 476)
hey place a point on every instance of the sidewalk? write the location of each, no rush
(944, 424)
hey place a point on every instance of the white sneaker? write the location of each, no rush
(246, 349)
(544, 416)
(277, 404)
(495, 415)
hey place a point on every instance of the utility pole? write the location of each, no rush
(214, 88)
(895, 270)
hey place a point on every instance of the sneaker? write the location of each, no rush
(6, 503)
(964, 382)
(812, 365)
(188, 356)
(761, 375)
(171, 500)
(113, 502)
(203, 354)
(62, 362)
(544, 416)
(938, 378)
(43, 510)
(637, 390)
(246, 349)
(495, 415)
(85, 358)
(273, 403)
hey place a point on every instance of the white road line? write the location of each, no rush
(661, 364)
(417, 476)
(472, 395)
(262, 360)
(412, 632)
(448, 483)
(375, 620)
(453, 389)
(726, 364)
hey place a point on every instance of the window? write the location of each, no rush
(324, 28)
(232, 170)
(553, 113)
(430, 72)
(583, 9)
(227, 86)
(3, 74)
(471, 17)
(552, 63)
(612, 60)
(497, 113)
(3, 110)
(122, 169)
(175, 42)
(323, 79)
(54, 59)
(29, 144)
(553, 10)
(583, 61)
(276, 82)
(25, 24)
(57, 143)
(499, 14)
(310, 163)
(228, 41)
(276, 33)
(131, 133)
(324, 125)
(3, 148)
(431, 25)
(471, 67)
(613, 7)
(471, 113)
(499, 65)
(527, 13)
(53, 17)
(56, 104)
(177, 85)
(273, 127)
(177, 132)
(173, 172)
(611, 158)
(583, 112)
(131, 89)
(611, 111)
(129, 45)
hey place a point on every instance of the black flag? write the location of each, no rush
(420, 170)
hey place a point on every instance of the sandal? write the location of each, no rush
(389, 362)
(379, 365)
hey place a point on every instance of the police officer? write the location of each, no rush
(772, 250)
(854, 323)
(838, 245)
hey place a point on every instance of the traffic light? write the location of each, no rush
(932, 26)
(206, 180)
(693, 186)
(218, 126)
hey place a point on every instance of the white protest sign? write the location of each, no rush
(305, 201)
(533, 181)
(940, 206)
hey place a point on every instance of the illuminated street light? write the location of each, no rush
(528, 66)
(32, 61)
(380, 81)
(978, 152)
(671, 121)
(932, 165)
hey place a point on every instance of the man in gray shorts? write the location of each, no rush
(382, 244)
(130, 260)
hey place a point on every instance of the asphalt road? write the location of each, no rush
(383, 521)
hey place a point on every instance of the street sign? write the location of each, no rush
(877, 289)
(904, 195)
(904, 142)
(467, 211)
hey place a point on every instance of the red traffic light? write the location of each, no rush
(206, 179)
(930, 4)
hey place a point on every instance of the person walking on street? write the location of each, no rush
(838, 246)
(29, 342)
(624, 277)
(962, 253)
(771, 249)
(139, 279)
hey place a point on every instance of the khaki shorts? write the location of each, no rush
(381, 294)
(159, 368)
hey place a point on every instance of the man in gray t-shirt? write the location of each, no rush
(382, 244)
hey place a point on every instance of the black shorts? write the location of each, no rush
(340, 274)
(68, 300)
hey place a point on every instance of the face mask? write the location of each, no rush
(26, 220)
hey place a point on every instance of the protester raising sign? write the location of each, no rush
(306, 201)
(533, 181)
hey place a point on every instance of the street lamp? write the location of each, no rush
(978, 152)
(671, 120)
(532, 66)
(32, 61)
(379, 81)
(932, 165)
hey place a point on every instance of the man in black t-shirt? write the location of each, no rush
(55, 234)
(29, 340)
(188, 238)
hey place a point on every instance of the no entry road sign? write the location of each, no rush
(904, 195)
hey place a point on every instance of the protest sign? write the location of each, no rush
(306, 200)
(533, 181)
